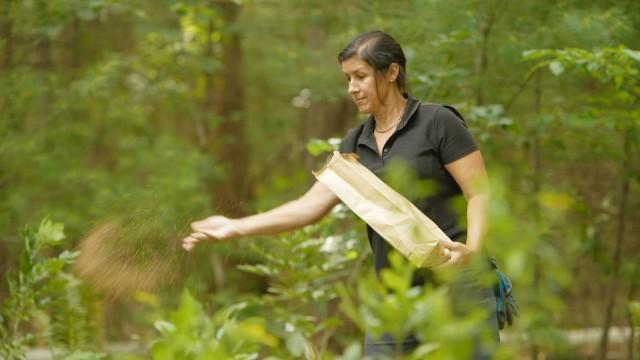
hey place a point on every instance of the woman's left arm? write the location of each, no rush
(470, 174)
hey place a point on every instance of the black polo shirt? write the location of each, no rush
(427, 137)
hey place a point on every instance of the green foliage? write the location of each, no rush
(489, 121)
(316, 147)
(41, 287)
(190, 333)
(619, 66)
(634, 310)
(390, 305)
(400, 176)
(299, 302)
(295, 318)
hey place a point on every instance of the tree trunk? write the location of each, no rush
(43, 44)
(43, 54)
(536, 184)
(226, 142)
(6, 29)
(631, 344)
(74, 39)
(617, 252)
(225, 98)
(321, 119)
(482, 58)
(481, 63)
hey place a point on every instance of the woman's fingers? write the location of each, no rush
(447, 254)
(455, 252)
(190, 241)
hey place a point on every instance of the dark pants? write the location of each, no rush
(468, 293)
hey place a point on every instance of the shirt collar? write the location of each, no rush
(370, 124)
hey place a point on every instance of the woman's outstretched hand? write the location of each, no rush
(213, 228)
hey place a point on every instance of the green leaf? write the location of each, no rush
(230, 311)
(164, 327)
(352, 352)
(49, 233)
(634, 310)
(296, 344)
(317, 146)
(634, 54)
(86, 14)
(53, 266)
(189, 314)
(258, 269)
(556, 68)
(534, 54)
(69, 256)
(348, 306)
(394, 281)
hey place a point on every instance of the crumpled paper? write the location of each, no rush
(390, 214)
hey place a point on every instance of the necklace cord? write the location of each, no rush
(389, 128)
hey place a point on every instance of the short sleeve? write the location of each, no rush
(452, 136)
(344, 145)
(348, 143)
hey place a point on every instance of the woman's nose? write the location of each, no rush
(352, 89)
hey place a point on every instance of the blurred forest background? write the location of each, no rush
(155, 113)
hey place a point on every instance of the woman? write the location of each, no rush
(432, 139)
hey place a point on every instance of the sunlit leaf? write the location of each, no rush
(556, 67)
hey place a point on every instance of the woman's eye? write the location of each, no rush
(356, 77)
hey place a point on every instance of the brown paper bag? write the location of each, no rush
(390, 214)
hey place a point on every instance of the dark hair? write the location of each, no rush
(379, 50)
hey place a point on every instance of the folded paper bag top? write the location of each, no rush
(390, 214)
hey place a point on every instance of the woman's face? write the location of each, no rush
(362, 85)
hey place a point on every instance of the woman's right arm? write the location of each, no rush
(308, 209)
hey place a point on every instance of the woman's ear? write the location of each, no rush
(392, 73)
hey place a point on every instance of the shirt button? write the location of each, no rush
(385, 150)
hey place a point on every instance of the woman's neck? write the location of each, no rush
(390, 113)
